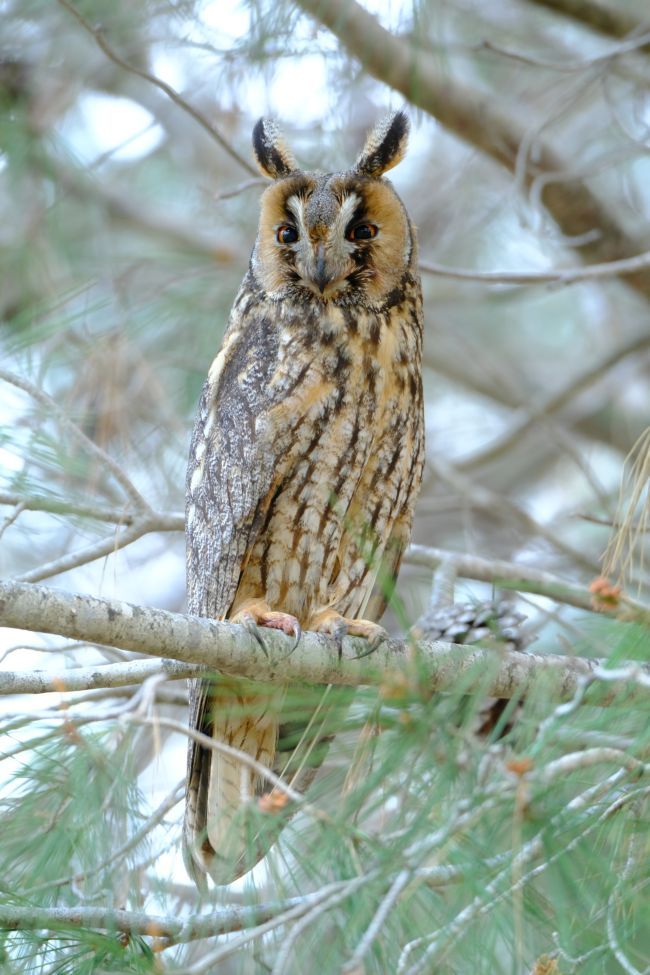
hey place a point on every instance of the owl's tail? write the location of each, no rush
(221, 834)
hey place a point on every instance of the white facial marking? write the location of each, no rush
(296, 205)
(343, 217)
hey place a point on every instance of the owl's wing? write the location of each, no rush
(237, 464)
(235, 467)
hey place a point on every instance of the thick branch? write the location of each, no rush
(605, 20)
(231, 649)
(474, 116)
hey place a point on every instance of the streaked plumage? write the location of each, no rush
(306, 455)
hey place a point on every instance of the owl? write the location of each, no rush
(305, 462)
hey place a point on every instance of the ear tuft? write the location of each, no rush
(385, 146)
(273, 157)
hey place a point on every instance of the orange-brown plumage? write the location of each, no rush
(307, 450)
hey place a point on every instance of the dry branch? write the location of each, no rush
(231, 649)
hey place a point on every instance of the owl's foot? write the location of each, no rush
(257, 613)
(333, 624)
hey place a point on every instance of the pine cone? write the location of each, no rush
(487, 623)
(474, 623)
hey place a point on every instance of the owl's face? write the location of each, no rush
(339, 237)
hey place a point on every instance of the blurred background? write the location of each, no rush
(128, 208)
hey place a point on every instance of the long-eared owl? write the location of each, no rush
(305, 461)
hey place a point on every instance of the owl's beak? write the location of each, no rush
(322, 276)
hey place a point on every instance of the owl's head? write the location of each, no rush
(341, 237)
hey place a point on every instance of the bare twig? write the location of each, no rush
(592, 272)
(102, 676)
(635, 855)
(58, 506)
(570, 65)
(100, 37)
(144, 525)
(511, 575)
(281, 962)
(13, 517)
(159, 521)
(355, 963)
(496, 504)
(122, 207)
(216, 745)
(317, 901)
(248, 184)
(97, 550)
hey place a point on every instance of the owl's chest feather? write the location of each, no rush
(352, 426)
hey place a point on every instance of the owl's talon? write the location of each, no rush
(297, 634)
(255, 615)
(374, 642)
(339, 630)
(249, 623)
(337, 626)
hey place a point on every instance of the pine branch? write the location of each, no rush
(231, 649)
(174, 931)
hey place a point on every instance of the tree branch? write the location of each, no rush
(143, 525)
(219, 921)
(498, 571)
(74, 679)
(231, 649)
(605, 20)
(570, 275)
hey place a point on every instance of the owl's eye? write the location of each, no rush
(362, 231)
(286, 234)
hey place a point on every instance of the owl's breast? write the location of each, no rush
(349, 427)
